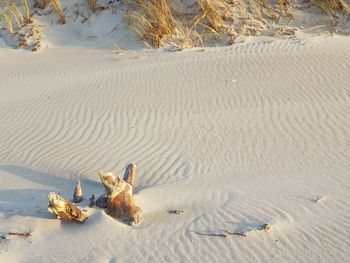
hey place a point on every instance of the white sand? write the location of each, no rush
(236, 137)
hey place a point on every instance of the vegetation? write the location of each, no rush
(92, 4)
(152, 20)
(8, 19)
(13, 13)
(333, 7)
(26, 10)
(170, 23)
(57, 6)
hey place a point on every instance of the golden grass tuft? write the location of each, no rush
(8, 19)
(57, 6)
(17, 14)
(210, 13)
(92, 4)
(14, 13)
(152, 20)
(333, 7)
(26, 10)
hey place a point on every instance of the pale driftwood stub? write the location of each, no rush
(78, 193)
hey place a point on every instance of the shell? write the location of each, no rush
(65, 209)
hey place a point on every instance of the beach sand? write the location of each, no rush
(236, 137)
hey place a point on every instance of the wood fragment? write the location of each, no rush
(243, 234)
(224, 234)
(318, 199)
(20, 234)
(176, 212)
(264, 227)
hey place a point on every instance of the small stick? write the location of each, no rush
(20, 234)
(318, 198)
(264, 227)
(176, 212)
(223, 234)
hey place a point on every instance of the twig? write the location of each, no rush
(20, 234)
(318, 198)
(225, 234)
(176, 212)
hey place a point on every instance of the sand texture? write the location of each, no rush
(236, 137)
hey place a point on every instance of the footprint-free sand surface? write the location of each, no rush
(236, 137)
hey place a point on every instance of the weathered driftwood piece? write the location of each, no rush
(64, 209)
(120, 199)
(78, 193)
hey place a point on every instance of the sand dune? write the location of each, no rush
(236, 137)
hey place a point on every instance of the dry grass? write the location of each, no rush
(333, 7)
(210, 13)
(17, 14)
(26, 10)
(14, 13)
(92, 4)
(41, 4)
(8, 19)
(152, 20)
(160, 22)
(57, 6)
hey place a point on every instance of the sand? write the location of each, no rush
(236, 137)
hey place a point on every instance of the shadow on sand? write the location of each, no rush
(33, 202)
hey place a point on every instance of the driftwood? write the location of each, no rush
(120, 199)
(225, 233)
(64, 209)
